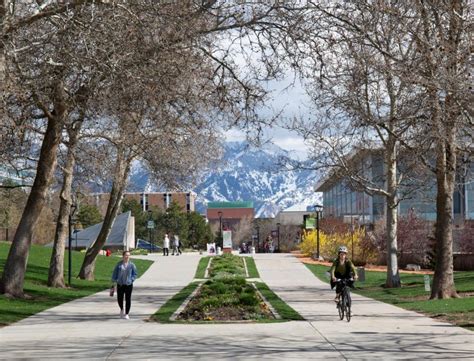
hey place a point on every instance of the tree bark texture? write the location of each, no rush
(15, 267)
(443, 280)
(56, 266)
(122, 170)
(393, 276)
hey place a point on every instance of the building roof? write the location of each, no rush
(335, 174)
(236, 204)
(116, 238)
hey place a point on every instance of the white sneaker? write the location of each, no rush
(126, 317)
(121, 314)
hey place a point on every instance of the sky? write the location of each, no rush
(292, 100)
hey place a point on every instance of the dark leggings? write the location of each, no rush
(127, 290)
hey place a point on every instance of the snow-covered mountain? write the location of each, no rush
(249, 174)
(253, 174)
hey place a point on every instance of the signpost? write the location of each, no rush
(427, 283)
(151, 225)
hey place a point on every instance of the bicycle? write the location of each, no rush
(345, 301)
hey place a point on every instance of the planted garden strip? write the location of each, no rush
(227, 265)
(180, 309)
(226, 299)
(269, 305)
(166, 311)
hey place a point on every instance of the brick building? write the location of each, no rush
(229, 213)
(161, 200)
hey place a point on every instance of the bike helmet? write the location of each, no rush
(342, 249)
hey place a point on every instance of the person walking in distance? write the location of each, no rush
(176, 245)
(166, 246)
(125, 273)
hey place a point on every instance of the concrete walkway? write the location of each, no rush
(376, 331)
(89, 328)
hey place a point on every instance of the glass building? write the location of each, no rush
(341, 199)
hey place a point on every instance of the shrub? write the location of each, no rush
(329, 243)
(413, 239)
(248, 299)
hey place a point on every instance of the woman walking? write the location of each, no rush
(125, 273)
(166, 246)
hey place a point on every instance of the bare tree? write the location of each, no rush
(444, 44)
(407, 67)
(56, 62)
(364, 106)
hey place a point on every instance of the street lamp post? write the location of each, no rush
(278, 230)
(258, 238)
(149, 226)
(71, 214)
(220, 227)
(317, 209)
(352, 239)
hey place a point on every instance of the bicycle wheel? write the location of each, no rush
(348, 302)
(340, 307)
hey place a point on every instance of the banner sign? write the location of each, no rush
(227, 239)
(310, 223)
(150, 225)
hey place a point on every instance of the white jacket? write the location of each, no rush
(166, 242)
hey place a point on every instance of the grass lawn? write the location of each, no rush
(44, 297)
(412, 295)
(202, 265)
(252, 268)
(286, 312)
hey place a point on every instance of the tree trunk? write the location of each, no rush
(122, 170)
(15, 267)
(393, 276)
(56, 266)
(443, 280)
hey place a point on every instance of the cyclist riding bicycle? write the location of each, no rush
(342, 268)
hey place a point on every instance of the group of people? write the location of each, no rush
(125, 273)
(176, 246)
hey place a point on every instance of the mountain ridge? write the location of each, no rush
(250, 174)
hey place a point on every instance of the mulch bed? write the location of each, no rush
(305, 259)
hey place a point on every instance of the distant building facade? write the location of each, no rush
(230, 213)
(340, 200)
(148, 200)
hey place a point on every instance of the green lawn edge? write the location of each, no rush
(201, 268)
(252, 268)
(412, 296)
(166, 311)
(43, 297)
(286, 312)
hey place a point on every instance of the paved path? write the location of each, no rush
(377, 330)
(89, 328)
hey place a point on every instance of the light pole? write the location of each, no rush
(258, 238)
(317, 209)
(278, 230)
(149, 226)
(71, 214)
(220, 227)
